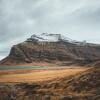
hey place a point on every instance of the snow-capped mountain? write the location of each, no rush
(37, 48)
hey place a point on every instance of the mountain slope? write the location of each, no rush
(46, 48)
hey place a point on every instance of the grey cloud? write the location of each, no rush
(20, 18)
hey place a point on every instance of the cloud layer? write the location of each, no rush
(80, 19)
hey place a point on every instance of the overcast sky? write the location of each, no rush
(19, 19)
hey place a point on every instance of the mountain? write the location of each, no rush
(53, 47)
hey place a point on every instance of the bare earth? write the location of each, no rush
(39, 75)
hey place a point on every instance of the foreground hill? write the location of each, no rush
(52, 47)
(82, 86)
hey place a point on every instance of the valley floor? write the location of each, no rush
(39, 75)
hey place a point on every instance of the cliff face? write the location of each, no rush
(30, 51)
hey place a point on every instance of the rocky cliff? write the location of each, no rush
(50, 47)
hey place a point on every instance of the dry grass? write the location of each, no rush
(39, 76)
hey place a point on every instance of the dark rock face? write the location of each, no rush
(28, 52)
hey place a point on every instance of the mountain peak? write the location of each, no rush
(50, 37)
(45, 37)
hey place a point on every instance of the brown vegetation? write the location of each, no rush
(38, 75)
(80, 85)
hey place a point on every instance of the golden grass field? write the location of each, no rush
(39, 75)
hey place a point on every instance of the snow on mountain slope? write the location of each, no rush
(45, 37)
